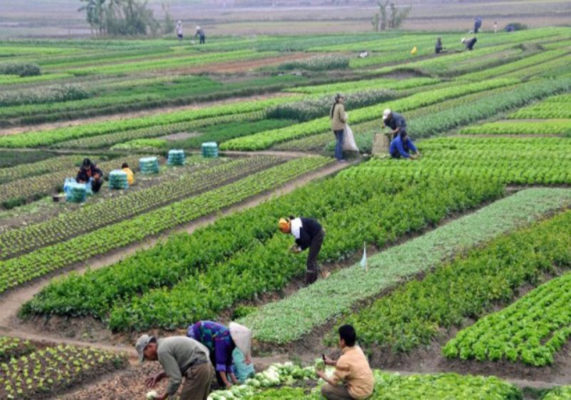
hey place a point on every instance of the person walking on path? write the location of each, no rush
(180, 357)
(90, 173)
(221, 341)
(438, 47)
(401, 146)
(338, 120)
(307, 233)
(179, 30)
(353, 378)
(477, 24)
(201, 35)
(469, 43)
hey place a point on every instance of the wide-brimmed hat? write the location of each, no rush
(242, 337)
(284, 225)
(142, 344)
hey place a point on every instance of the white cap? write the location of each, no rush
(242, 337)
(386, 113)
(197, 27)
(142, 344)
(462, 40)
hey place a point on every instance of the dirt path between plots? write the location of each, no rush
(134, 114)
(11, 301)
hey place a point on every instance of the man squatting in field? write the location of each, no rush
(90, 173)
(307, 233)
(353, 378)
(401, 145)
(179, 356)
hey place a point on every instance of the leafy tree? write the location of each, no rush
(120, 17)
(389, 16)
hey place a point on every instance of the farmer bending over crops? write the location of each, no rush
(353, 378)
(469, 43)
(338, 121)
(201, 35)
(401, 146)
(307, 233)
(89, 173)
(395, 121)
(221, 342)
(179, 356)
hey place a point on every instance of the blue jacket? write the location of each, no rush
(399, 148)
(396, 121)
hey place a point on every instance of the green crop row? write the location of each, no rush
(514, 67)
(266, 267)
(11, 347)
(95, 142)
(559, 393)
(48, 137)
(253, 249)
(94, 216)
(18, 191)
(54, 368)
(378, 83)
(22, 269)
(290, 319)
(186, 61)
(532, 329)
(545, 127)
(485, 107)
(37, 168)
(416, 313)
(266, 139)
(544, 109)
(553, 69)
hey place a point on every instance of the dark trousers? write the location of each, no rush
(96, 185)
(339, 144)
(314, 248)
(202, 39)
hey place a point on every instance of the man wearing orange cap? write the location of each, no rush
(307, 233)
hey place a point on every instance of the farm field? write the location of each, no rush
(466, 284)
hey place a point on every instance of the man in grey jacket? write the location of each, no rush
(179, 356)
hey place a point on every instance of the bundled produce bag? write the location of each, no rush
(349, 140)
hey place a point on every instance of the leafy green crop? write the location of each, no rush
(532, 329)
(545, 127)
(291, 318)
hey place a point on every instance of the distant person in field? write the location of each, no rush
(181, 357)
(201, 35)
(338, 121)
(90, 173)
(395, 121)
(129, 172)
(510, 28)
(477, 24)
(353, 378)
(401, 147)
(469, 43)
(308, 233)
(495, 26)
(438, 47)
(179, 32)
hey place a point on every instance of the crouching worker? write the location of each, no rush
(307, 233)
(179, 356)
(353, 378)
(89, 173)
(401, 146)
(129, 172)
(221, 341)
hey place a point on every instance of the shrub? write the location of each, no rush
(21, 69)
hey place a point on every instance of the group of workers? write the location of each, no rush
(89, 173)
(212, 351)
(198, 33)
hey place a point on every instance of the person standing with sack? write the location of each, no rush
(338, 121)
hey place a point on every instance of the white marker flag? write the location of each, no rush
(364, 258)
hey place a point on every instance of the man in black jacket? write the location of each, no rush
(89, 171)
(307, 233)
